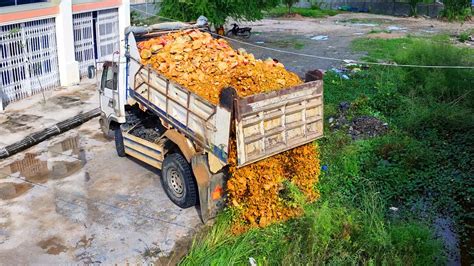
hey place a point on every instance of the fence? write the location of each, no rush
(28, 59)
(101, 44)
(84, 41)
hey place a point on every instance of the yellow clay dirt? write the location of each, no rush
(206, 65)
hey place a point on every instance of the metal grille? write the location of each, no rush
(84, 41)
(107, 33)
(28, 59)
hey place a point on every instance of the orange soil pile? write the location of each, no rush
(206, 65)
(256, 189)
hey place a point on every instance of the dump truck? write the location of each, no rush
(171, 128)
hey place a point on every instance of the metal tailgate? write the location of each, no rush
(270, 123)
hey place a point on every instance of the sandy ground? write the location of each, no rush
(295, 35)
(35, 113)
(73, 200)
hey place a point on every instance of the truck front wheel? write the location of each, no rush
(178, 181)
(119, 146)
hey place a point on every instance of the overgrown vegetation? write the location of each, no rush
(379, 196)
(457, 9)
(289, 4)
(217, 11)
(305, 12)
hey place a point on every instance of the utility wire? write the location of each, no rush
(316, 56)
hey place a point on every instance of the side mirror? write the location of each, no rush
(91, 71)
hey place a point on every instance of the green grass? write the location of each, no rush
(305, 12)
(360, 21)
(379, 31)
(423, 166)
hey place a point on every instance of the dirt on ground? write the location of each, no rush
(39, 111)
(72, 200)
(332, 36)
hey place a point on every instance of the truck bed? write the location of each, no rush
(265, 124)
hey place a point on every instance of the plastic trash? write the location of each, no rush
(202, 21)
(320, 38)
(340, 73)
(395, 28)
(260, 42)
(252, 262)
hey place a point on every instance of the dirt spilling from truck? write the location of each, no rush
(270, 190)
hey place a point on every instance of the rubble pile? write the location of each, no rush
(206, 65)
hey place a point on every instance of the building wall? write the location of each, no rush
(15, 62)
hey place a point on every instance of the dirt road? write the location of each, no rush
(72, 200)
(332, 36)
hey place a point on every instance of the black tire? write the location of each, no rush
(178, 181)
(119, 146)
(229, 33)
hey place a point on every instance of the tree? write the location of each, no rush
(289, 4)
(216, 11)
(456, 9)
(414, 7)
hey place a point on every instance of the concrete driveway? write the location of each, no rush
(72, 200)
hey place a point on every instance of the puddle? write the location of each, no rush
(61, 159)
(10, 190)
(52, 246)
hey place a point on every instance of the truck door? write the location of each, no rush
(108, 90)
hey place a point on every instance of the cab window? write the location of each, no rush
(109, 77)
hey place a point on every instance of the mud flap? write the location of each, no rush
(211, 188)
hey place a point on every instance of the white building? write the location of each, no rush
(46, 44)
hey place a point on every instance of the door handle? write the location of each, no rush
(111, 103)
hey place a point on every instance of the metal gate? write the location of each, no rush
(28, 59)
(107, 29)
(84, 41)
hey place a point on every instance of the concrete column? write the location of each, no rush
(1, 101)
(124, 22)
(68, 66)
(124, 15)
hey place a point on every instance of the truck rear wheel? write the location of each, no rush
(119, 146)
(178, 181)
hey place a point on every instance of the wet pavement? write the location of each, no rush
(43, 110)
(73, 200)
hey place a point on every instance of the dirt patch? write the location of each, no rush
(360, 127)
(66, 101)
(17, 122)
(52, 245)
(95, 134)
(293, 16)
(367, 127)
(180, 250)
